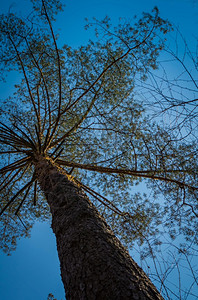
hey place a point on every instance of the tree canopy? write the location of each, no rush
(81, 108)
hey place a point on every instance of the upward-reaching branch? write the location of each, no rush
(46, 90)
(59, 74)
(26, 78)
(78, 123)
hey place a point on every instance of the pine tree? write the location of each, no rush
(73, 128)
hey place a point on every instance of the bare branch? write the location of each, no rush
(23, 200)
(143, 174)
(17, 194)
(17, 164)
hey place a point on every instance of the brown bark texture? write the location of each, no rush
(94, 264)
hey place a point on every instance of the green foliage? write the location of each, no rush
(78, 107)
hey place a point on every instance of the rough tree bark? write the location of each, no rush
(94, 264)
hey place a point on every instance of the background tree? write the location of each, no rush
(171, 92)
(174, 94)
(80, 114)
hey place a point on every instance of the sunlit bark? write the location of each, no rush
(94, 264)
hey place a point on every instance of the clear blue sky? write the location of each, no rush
(33, 269)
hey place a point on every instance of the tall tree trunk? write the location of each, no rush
(94, 264)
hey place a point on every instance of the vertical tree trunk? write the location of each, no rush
(94, 264)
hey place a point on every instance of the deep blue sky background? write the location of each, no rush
(33, 269)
